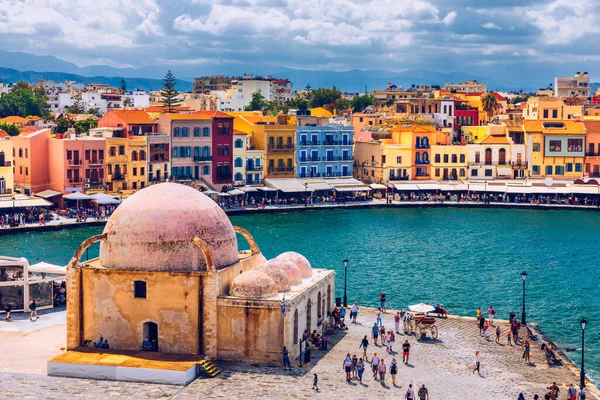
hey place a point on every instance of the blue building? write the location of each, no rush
(323, 149)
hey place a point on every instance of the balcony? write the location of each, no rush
(398, 178)
(592, 154)
(75, 162)
(256, 168)
(280, 170)
(283, 147)
(519, 164)
(422, 146)
(95, 185)
(325, 175)
(202, 158)
(488, 163)
(96, 162)
(332, 143)
(118, 177)
(75, 180)
(310, 143)
(422, 162)
(223, 178)
(309, 159)
(254, 181)
(6, 164)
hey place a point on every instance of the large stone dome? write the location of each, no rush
(154, 228)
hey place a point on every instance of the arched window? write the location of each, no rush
(309, 315)
(502, 157)
(296, 327)
(488, 156)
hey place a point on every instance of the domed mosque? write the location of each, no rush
(170, 274)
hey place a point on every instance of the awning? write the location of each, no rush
(104, 199)
(77, 196)
(249, 189)
(224, 195)
(428, 186)
(378, 186)
(266, 189)
(504, 171)
(319, 186)
(36, 202)
(352, 189)
(290, 185)
(46, 194)
(44, 267)
(236, 192)
(406, 187)
(209, 192)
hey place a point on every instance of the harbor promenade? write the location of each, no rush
(444, 366)
(63, 222)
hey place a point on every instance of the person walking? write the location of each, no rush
(410, 393)
(405, 351)
(374, 364)
(486, 331)
(582, 393)
(382, 370)
(354, 312)
(379, 320)
(392, 341)
(498, 333)
(382, 300)
(491, 313)
(8, 310)
(423, 393)
(316, 382)
(397, 322)
(364, 344)
(286, 359)
(509, 337)
(393, 370)
(521, 397)
(406, 321)
(347, 364)
(354, 367)
(477, 363)
(33, 311)
(481, 325)
(388, 341)
(361, 369)
(478, 314)
(375, 333)
(343, 314)
(527, 351)
(571, 393)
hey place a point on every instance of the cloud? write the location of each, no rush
(449, 19)
(490, 25)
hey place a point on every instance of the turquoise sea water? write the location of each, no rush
(463, 258)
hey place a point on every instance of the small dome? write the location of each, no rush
(290, 269)
(281, 279)
(300, 261)
(253, 283)
(154, 228)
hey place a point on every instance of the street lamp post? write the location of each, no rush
(345, 279)
(523, 278)
(582, 371)
(305, 194)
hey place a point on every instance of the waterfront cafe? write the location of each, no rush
(21, 283)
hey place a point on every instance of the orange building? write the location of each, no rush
(420, 138)
(30, 154)
(133, 122)
(592, 150)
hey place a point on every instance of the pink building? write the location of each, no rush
(30, 154)
(77, 164)
(133, 122)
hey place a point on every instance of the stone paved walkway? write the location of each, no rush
(443, 365)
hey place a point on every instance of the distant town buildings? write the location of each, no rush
(577, 86)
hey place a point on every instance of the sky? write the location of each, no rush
(500, 37)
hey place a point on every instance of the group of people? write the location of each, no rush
(27, 215)
(554, 391)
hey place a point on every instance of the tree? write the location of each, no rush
(63, 125)
(11, 129)
(359, 103)
(94, 111)
(85, 125)
(489, 104)
(76, 108)
(323, 97)
(343, 104)
(169, 93)
(123, 86)
(24, 100)
(257, 103)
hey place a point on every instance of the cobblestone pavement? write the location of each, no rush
(445, 366)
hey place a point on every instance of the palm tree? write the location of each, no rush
(490, 104)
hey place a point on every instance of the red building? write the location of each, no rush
(222, 146)
(133, 122)
(465, 117)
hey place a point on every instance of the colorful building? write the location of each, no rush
(490, 157)
(419, 138)
(159, 158)
(126, 163)
(323, 149)
(550, 109)
(248, 161)
(556, 148)
(30, 155)
(222, 145)
(362, 122)
(6, 165)
(76, 164)
(382, 161)
(133, 122)
(592, 149)
(449, 162)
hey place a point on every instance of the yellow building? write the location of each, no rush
(556, 148)
(448, 162)
(320, 112)
(126, 162)
(6, 166)
(550, 109)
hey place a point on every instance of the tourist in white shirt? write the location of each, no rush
(354, 312)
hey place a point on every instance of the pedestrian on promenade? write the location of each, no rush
(397, 322)
(527, 351)
(8, 310)
(364, 344)
(375, 333)
(571, 392)
(382, 334)
(514, 327)
(382, 300)
(423, 393)
(354, 366)
(486, 330)
(354, 312)
(491, 313)
(582, 393)
(392, 340)
(481, 325)
(343, 314)
(509, 337)
(498, 333)
(521, 397)
(478, 314)
(406, 321)
(347, 364)
(477, 363)
(379, 320)
(361, 369)
(286, 359)
(410, 393)
(316, 382)
(33, 311)
(382, 370)
(405, 351)
(393, 370)
(374, 364)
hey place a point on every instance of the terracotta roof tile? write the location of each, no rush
(592, 126)
(3, 134)
(213, 114)
(131, 117)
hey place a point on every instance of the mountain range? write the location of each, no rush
(15, 66)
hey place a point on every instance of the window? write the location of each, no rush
(462, 172)
(26, 152)
(473, 172)
(383, 159)
(575, 145)
(139, 289)
(239, 163)
(559, 170)
(446, 158)
(535, 170)
(196, 131)
(87, 155)
(112, 151)
(437, 158)
(238, 176)
(121, 150)
(548, 169)
(462, 158)
(536, 147)
(578, 167)
(437, 170)
(142, 171)
(142, 155)
(185, 132)
(134, 185)
(239, 143)
(399, 160)
(477, 157)
(206, 170)
(454, 159)
(488, 172)
(545, 114)
(569, 167)
(554, 113)
(176, 132)
(134, 171)
(555, 146)
(205, 131)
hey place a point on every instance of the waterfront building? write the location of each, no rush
(490, 156)
(449, 162)
(365, 121)
(393, 92)
(468, 86)
(30, 155)
(420, 138)
(248, 161)
(188, 290)
(7, 181)
(159, 158)
(132, 122)
(323, 149)
(76, 163)
(577, 86)
(382, 160)
(126, 163)
(592, 148)
(550, 109)
(556, 148)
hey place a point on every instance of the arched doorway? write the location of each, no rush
(151, 333)
(296, 327)
(488, 156)
(319, 306)
(502, 157)
(309, 315)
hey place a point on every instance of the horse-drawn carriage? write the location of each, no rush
(420, 324)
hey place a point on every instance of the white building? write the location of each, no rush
(577, 86)
(101, 101)
(445, 118)
(137, 99)
(58, 101)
